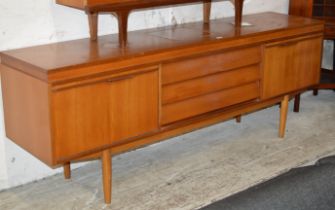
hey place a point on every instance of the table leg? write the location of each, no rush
(122, 18)
(239, 118)
(93, 24)
(297, 103)
(107, 175)
(283, 115)
(238, 12)
(207, 11)
(67, 170)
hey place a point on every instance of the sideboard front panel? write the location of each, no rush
(80, 118)
(209, 102)
(194, 86)
(134, 106)
(109, 112)
(204, 65)
(208, 84)
(291, 65)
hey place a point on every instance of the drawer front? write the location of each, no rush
(205, 65)
(208, 84)
(210, 102)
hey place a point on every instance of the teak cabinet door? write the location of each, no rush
(133, 109)
(290, 66)
(90, 117)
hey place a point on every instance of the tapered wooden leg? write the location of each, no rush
(207, 11)
(239, 119)
(107, 175)
(297, 103)
(238, 12)
(93, 24)
(283, 116)
(315, 92)
(122, 18)
(67, 170)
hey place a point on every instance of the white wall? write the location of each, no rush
(33, 22)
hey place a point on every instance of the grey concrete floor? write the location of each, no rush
(195, 169)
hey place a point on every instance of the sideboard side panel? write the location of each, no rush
(94, 116)
(26, 111)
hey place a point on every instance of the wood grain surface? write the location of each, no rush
(79, 99)
(72, 59)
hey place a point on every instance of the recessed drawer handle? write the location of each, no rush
(117, 79)
(286, 44)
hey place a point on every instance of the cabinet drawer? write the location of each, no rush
(208, 84)
(201, 66)
(206, 103)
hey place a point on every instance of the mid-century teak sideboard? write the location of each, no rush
(84, 99)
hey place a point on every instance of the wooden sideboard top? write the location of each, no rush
(121, 4)
(51, 62)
